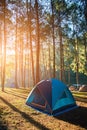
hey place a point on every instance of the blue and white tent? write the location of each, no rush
(51, 97)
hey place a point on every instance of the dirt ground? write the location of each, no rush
(15, 115)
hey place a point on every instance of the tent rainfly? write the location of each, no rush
(51, 97)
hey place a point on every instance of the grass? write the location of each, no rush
(15, 115)
(80, 96)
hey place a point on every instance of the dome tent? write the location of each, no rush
(51, 97)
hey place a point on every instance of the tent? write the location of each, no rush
(51, 97)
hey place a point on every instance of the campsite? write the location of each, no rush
(15, 115)
(43, 64)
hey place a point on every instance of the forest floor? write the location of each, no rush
(15, 115)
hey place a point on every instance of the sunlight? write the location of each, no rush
(42, 39)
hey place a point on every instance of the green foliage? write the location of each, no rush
(68, 16)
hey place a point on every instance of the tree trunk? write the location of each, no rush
(37, 43)
(53, 37)
(49, 62)
(31, 49)
(4, 55)
(61, 56)
(16, 56)
(85, 10)
(1, 56)
(69, 76)
(27, 45)
(85, 46)
(21, 62)
(77, 62)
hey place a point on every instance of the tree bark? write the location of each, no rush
(77, 62)
(37, 43)
(53, 37)
(61, 56)
(31, 49)
(1, 55)
(4, 55)
(16, 56)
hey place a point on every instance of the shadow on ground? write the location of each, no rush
(17, 95)
(3, 124)
(24, 115)
(77, 117)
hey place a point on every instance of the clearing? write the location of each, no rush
(15, 115)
